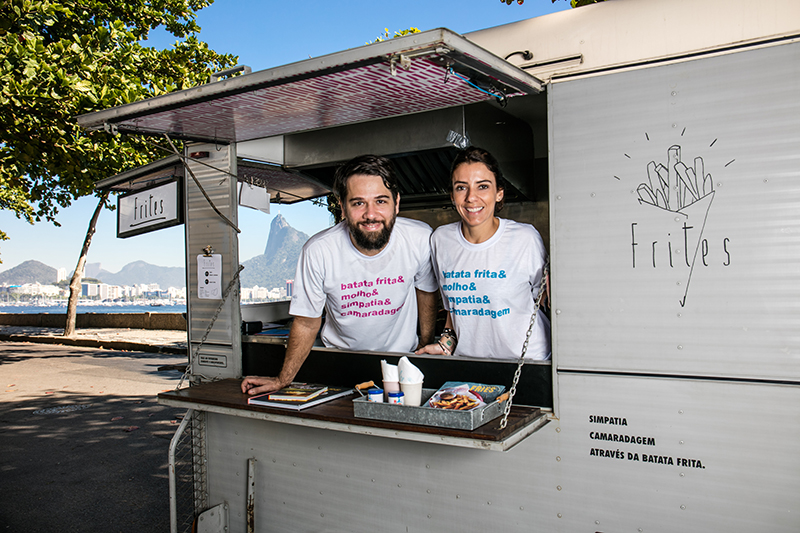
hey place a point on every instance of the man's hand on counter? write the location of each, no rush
(253, 385)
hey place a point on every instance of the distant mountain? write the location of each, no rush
(140, 272)
(29, 272)
(91, 270)
(279, 260)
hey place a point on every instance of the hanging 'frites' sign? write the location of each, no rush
(149, 209)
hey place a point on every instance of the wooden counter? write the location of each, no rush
(225, 397)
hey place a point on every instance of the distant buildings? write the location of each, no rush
(102, 292)
(262, 294)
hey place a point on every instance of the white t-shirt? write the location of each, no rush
(370, 301)
(489, 290)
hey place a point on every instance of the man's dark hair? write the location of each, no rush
(473, 154)
(370, 165)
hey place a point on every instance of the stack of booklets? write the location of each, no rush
(299, 396)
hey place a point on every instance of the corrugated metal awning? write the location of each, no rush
(411, 74)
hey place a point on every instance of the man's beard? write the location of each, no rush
(373, 240)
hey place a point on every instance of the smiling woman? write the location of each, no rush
(499, 265)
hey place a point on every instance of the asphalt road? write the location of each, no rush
(83, 441)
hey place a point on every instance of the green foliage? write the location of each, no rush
(63, 58)
(399, 33)
(573, 3)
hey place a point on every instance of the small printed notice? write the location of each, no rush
(209, 276)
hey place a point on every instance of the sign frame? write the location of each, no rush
(172, 186)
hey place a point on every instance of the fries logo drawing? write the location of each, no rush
(688, 192)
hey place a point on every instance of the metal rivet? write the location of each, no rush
(428, 491)
(683, 474)
(429, 516)
(558, 487)
(674, 125)
(592, 195)
(681, 442)
(674, 93)
(558, 311)
(558, 430)
(558, 458)
(348, 475)
(322, 515)
(597, 522)
(521, 508)
(680, 411)
(679, 315)
(320, 492)
(559, 515)
(320, 470)
(294, 464)
(427, 466)
(458, 496)
(558, 198)
(680, 347)
(678, 283)
(640, 530)
(488, 503)
(399, 485)
(766, 180)
(683, 507)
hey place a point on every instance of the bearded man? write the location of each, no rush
(371, 273)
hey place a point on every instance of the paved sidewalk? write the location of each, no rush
(83, 441)
(142, 340)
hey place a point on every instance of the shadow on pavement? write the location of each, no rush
(75, 462)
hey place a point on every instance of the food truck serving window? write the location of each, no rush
(411, 75)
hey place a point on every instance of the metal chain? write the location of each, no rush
(225, 294)
(513, 390)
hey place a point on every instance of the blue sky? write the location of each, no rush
(263, 34)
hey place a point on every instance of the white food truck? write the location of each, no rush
(656, 147)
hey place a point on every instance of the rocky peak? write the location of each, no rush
(282, 234)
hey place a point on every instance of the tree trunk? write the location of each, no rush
(75, 282)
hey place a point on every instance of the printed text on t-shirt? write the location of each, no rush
(458, 292)
(366, 300)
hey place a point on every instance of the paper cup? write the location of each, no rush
(390, 386)
(412, 393)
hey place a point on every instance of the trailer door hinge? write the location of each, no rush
(214, 520)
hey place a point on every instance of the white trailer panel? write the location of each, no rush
(649, 454)
(674, 201)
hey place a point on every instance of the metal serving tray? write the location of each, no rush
(425, 416)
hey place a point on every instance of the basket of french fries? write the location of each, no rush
(455, 405)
